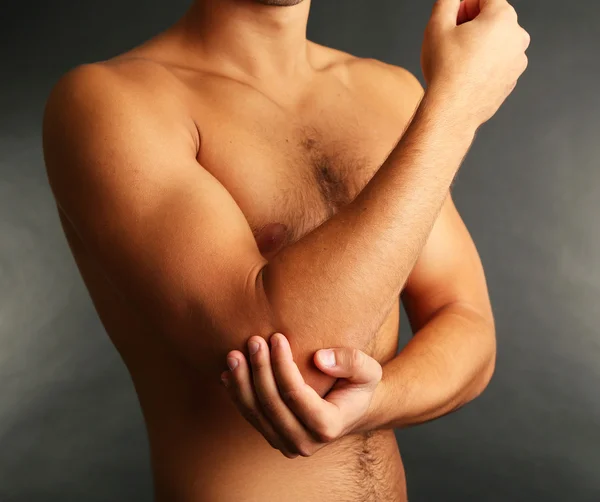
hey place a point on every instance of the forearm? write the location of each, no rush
(340, 281)
(448, 363)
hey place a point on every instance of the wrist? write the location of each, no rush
(444, 105)
(374, 418)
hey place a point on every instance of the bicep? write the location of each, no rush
(165, 232)
(449, 270)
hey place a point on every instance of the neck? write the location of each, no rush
(263, 41)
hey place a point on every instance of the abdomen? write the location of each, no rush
(204, 451)
(221, 458)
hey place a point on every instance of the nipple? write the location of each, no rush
(271, 237)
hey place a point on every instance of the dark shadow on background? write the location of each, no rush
(70, 427)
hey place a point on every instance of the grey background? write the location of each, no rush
(70, 428)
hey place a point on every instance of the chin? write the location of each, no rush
(279, 3)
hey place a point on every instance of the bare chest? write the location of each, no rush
(290, 172)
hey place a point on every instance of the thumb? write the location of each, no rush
(351, 364)
(445, 13)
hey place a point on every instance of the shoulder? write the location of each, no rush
(393, 85)
(106, 120)
(106, 86)
(107, 104)
(394, 88)
(385, 75)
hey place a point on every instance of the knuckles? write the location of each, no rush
(259, 362)
(271, 406)
(503, 11)
(527, 38)
(510, 12)
(291, 396)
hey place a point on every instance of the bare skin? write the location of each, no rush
(229, 178)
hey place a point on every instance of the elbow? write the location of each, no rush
(277, 308)
(489, 365)
(486, 377)
(278, 311)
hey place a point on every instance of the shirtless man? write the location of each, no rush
(228, 180)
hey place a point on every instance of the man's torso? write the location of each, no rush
(290, 161)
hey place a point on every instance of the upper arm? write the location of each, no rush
(449, 270)
(122, 165)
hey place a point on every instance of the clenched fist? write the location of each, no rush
(473, 54)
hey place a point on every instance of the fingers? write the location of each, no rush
(238, 382)
(496, 6)
(463, 15)
(351, 364)
(320, 416)
(295, 436)
(471, 8)
(483, 4)
(445, 13)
